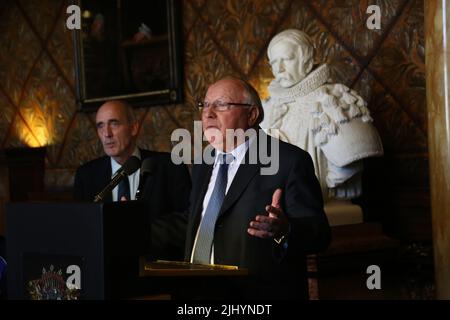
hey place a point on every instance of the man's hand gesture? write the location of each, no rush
(273, 225)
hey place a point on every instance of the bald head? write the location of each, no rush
(245, 90)
(216, 122)
(121, 106)
(117, 129)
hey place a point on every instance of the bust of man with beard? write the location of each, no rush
(330, 121)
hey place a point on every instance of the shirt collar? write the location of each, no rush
(116, 166)
(238, 152)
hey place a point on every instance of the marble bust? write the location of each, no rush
(329, 120)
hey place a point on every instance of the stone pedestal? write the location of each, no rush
(340, 212)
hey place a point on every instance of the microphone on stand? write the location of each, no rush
(147, 169)
(129, 167)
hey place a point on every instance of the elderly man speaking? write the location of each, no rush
(238, 216)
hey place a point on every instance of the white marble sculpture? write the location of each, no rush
(330, 121)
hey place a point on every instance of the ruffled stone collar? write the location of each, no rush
(312, 81)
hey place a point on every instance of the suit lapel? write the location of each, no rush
(204, 176)
(243, 176)
(146, 187)
(106, 177)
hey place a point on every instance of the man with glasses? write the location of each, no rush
(238, 216)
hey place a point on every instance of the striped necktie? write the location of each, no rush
(202, 253)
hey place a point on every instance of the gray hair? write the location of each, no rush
(251, 96)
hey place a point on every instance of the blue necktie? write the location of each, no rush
(202, 250)
(124, 189)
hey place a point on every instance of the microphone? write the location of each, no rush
(147, 169)
(129, 167)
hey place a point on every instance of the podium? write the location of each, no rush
(75, 250)
(179, 280)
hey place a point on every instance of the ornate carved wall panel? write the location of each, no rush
(221, 38)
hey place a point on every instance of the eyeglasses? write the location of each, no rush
(220, 105)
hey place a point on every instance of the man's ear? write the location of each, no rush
(254, 115)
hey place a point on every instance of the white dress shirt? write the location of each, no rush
(133, 178)
(238, 154)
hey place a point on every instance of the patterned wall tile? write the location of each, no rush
(61, 48)
(156, 126)
(242, 28)
(82, 144)
(140, 113)
(48, 109)
(156, 129)
(400, 64)
(21, 134)
(364, 85)
(348, 20)
(147, 133)
(261, 77)
(198, 3)
(204, 63)
(19, 49)
(6, 116)
(48, 10)
(399, 134)
(190, 15)
(185, 115)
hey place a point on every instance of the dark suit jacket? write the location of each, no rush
(166, 192)
(276, 272)
(2, 275)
